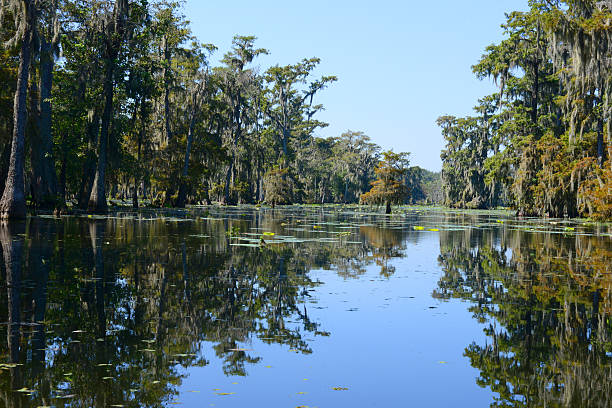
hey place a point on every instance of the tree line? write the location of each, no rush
(541, 144)
(106, 99)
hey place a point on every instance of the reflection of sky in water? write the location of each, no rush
(392, 351)
(379, 327)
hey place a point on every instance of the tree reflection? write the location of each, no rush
(386, 244)
(12, 242)
(109, 311)
(546, 301)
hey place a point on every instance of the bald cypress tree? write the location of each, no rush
(13, 204)
(115, 30)
(389, 187)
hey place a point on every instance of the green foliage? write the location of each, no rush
(542, 144)
(135, 94)
(279, 186)
(431, 187)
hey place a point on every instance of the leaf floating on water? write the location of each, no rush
(107, 378)
(234, 383)
(442, 362)
(417, 228)
(267, 366)
(269, 234)
(434, 229)
(226, 393)
(302, 392)
(339, 389)
(25, 390)
(240, 349)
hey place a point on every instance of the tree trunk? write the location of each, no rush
(44, 190)
(167, 90)
(135, 190)
(97, 199)
(346, 191)
(89, 166)
(62, 179)
(141, 133)
(388, 208)
(5, 156)
(286, 135)
(535, 95)
(600, 143)
(228, 179)
(182, 194)
(13, 204)
(115, 31)
(257, 184)
(87, 179)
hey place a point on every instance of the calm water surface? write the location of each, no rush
(305, 307)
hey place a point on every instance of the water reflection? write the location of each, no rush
(110, 311)
(115, 311)
(546, 301)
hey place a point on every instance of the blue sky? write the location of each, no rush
(400, 64)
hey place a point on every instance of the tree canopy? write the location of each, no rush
(137, 111)
(390, 186)
(541, 144)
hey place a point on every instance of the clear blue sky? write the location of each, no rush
(400, 64)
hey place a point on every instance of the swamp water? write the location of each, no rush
(305, 307)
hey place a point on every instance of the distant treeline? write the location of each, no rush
(117, 99)
(542, 143)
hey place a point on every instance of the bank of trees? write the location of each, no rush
(541, 144)
(118, 100)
